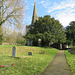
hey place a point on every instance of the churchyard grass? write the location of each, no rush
(25, 64)
(71, 61)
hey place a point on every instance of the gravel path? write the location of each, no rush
(58, 66)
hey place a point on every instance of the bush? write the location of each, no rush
(22, 42)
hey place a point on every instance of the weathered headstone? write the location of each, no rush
(14, 51)
(72, 50)
(29, 53)
(39, 42)
(29, 42)
(60, 46)
(69, 50)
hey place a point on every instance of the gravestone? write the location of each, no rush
(14, 51)
(60, 46)
(29, 42)
(29, 53)
(39, 42)
(72, 50)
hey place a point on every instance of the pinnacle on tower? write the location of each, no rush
(35, 17)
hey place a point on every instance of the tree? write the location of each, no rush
(52, 31)
(70, 31)
(11, 13)
(0, 27)
(20, 40)
(1, 39)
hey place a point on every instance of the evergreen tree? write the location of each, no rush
(70, 31)
(50, 29)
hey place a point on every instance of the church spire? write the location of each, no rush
(35, 17)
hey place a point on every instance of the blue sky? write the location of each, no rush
(63, 10)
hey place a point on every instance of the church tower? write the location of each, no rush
(34, 17)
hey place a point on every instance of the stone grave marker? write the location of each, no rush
(29, 53)
(72, 50)
(39, 42)
(14, 51)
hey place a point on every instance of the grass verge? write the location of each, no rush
(71, 61)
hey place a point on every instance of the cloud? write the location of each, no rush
(45, 3)
(65, 18)
(62, 5)
(42, 2)
(64, 11)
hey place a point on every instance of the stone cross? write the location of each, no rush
(14, 51)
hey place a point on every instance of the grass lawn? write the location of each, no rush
(24, 64)
(71, 61)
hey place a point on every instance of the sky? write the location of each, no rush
(62, 10)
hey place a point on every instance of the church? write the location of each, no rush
(34, 18)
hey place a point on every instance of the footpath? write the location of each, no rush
(58, 66)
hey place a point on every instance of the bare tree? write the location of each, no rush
(11, 12)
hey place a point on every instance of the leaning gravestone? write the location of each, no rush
(29, 53)
(72, 50)
(14, 51)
